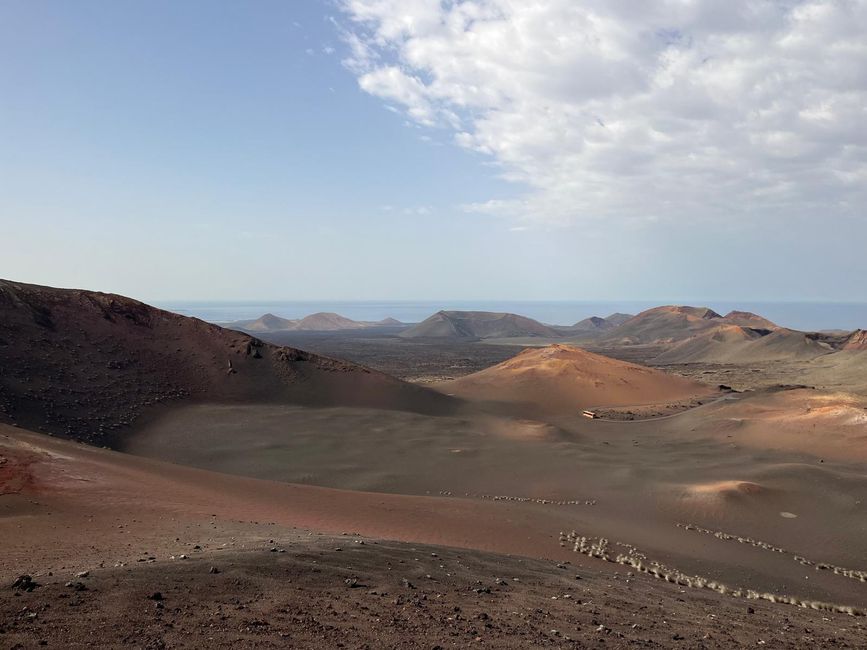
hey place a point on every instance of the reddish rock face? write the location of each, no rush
(857, 341)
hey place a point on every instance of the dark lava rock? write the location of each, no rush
(25, 583)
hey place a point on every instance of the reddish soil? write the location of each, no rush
(131, 552)
(352, 592)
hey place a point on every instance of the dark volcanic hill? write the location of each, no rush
(478, 325)
(84, 364)
(617, 318)
(327, 322)
(595, 324)
(265, 323)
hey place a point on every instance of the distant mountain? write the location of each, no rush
(664, 325)
(265, 323)
(700, 335)
(749, 319)
(478, 325)
(617, 318)
(328, 321)
(318, 322)
(562, 378)
(673, 323)
(594, 323)
(597, 324)
(737, 344)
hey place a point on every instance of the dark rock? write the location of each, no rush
(25, 583)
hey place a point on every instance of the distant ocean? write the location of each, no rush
(797, 315)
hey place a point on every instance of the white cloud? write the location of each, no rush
(391, 83)
(673, 109)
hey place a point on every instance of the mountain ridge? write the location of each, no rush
(454, 324)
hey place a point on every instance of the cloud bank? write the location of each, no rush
(615, 109)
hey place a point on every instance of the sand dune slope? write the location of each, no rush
(86, 491)
(842, 370)
(824, 424)
(123, 550)
(563, 378)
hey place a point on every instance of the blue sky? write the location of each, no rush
(321, 150)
